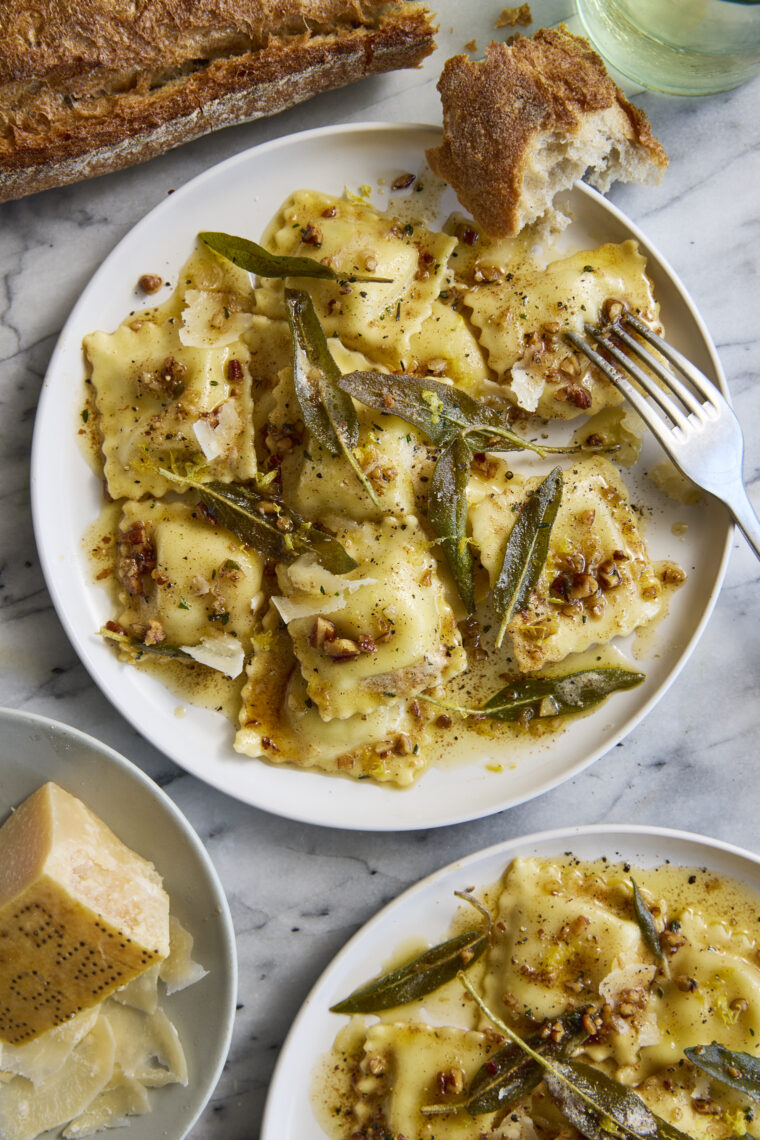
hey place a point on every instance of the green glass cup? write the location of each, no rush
(683, 47)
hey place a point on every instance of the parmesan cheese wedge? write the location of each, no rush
(80, 914)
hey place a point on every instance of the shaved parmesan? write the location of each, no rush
(147, 1046)
(307, 576)
(216, 441)
(223, 653)
(40, 1059)
(207, 322)
(290, 610)
(526, 386)
(123, 1097)
(26, 1110)
(180, 969)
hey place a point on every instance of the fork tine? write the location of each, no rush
(650, 417)
(666, 375)
(642, 378)
(705, 387)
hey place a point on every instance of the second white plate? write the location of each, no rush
(240, 196)
(426, 910)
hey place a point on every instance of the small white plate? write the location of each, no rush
(427, 910)
(240, 196)
(35, 750)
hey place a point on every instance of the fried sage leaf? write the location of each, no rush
(255, 259)
(447, 514)
(440, 411)
(596, 1104)
(526, 550)
(328, 412)
(162, 649)
(555, 696)
(420, 976)
(266, 524)
(508, 1075)
(593, 1102)
(738, 1070)
(668, 1131)
(646, 924)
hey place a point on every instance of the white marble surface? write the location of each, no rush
(298, 892)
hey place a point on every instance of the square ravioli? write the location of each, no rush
(405, 1067)
(280, 723)
(598, 581)
(378, 319)
(183, 581)
(521, 308)
(557, 941)
(173, 384)
(383, 630)
(393, 455)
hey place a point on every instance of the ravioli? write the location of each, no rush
(396, 634)
(172, 384)
(280, 723)
(597, 583)
(374, 318)
(405, 1067)
(521, 315)
(391, 453)
(556, 940)
(184, 580)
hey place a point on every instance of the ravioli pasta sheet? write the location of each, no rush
(566, 941)
(230, 510)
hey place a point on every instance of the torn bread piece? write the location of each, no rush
(528, 121)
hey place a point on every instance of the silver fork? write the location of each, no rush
(701, 434)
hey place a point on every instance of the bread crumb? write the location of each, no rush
(510, 17)
(471, 45)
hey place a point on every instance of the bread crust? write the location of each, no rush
(493, 111)
(94, 122)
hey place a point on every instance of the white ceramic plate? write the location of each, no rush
(427, 909)
(240, 196)
(35, 750)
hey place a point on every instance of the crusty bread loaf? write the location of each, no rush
(96, 85)
(529, 120)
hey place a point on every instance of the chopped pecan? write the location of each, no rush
(154, 634)
(312, 235)
(322, 631)
(582, 586)
(403, 181)
(608, 575)
(137, 557)
(575, 395)
(150, 283)
(467, 234)
(341, 649)
(450, 1082)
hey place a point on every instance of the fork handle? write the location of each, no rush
(741, 508)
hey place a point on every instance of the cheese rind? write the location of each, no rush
(80, 914)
